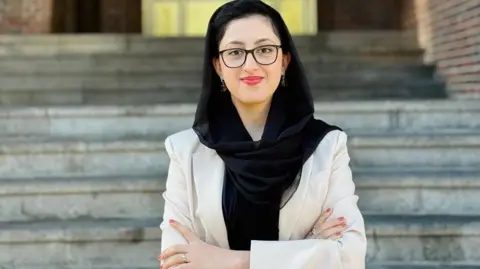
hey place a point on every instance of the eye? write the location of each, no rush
(235, 52)
(265, 50)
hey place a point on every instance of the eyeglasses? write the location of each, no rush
(264, 55)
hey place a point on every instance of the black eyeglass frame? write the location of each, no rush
(250, 51)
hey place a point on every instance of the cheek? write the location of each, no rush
(274, 73)
(231, 77)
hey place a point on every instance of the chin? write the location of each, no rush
(251, 99)
(252, 96)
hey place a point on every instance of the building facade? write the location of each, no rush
(448, 31)
(188, 17)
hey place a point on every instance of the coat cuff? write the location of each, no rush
(300, 254)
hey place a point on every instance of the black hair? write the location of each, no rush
(239, 9)
(297, 89)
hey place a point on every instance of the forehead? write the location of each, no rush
(248, 30)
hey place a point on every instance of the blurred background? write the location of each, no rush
(89, 89)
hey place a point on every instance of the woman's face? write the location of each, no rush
(254, 81)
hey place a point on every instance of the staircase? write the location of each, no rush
(81, 179)
(73, 70)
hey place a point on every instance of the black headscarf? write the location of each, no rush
(257, 173)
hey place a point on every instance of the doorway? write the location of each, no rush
(97, 16)
(359, 15)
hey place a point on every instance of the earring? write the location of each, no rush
(283, 81)
(224, 87)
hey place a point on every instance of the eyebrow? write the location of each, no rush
(256, 42)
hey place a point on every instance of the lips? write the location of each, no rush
(252, 80)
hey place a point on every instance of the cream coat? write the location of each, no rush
(193, 197)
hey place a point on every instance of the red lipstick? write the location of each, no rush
(252, 80)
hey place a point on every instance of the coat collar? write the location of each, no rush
(208, 175)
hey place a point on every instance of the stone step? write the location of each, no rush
(186, 81)
(150, 89)
(422, 192)
(66, 64)
(423, 265)
(430, 150)
(43, 199)
(316, 73)
(161, 120)
(81, 243)
(136, 243)
(175, 95)
(350, 90)
(382, 42)
(56, 157)
(135, 197)
(441, 238)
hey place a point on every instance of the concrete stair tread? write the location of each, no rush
(417, 140)
(363, 177)
(392, 265)
(94, 155)
(423, 265)
(422, 224)
(378, 41)
(78, 230)
(189, 108)
(421, 178)
(468, 138)
(80, 185)
(181, 83)
(446, 139)
(187, 66)
(316, 74)
(324, 60)
(79, 144)
(405, 265)
(88, 229)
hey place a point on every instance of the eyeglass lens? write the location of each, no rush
(264, 55)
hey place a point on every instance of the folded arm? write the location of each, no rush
(348, 252)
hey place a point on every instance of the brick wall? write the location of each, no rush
(25, 16)
(449, 31)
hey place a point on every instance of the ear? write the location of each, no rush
(217, 66)
(285, 61)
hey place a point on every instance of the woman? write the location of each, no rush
(258, 182)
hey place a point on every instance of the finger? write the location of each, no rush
(332, 223)
(335, 236)
(322, 218)
(173, 250)
(188, 234)
(337, 230)
(175, 260)
(184, 266)
(333, 232)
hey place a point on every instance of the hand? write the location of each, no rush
(196, 254)
(323, 229)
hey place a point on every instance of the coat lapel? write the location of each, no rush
(208, 175)
(290, 213)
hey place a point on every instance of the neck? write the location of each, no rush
(254, 117)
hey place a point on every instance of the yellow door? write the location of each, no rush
(171, 18)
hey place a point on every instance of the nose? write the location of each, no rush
(250, 63)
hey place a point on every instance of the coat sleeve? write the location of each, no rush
(176, 201)
(347, 253)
